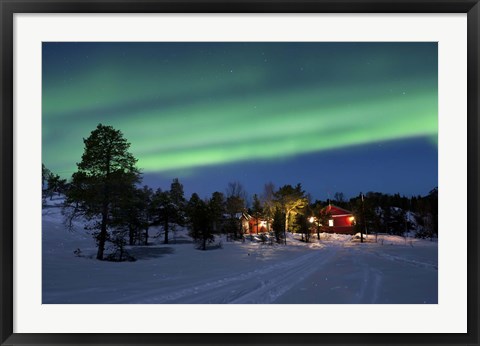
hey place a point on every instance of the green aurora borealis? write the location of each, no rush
(184, 106)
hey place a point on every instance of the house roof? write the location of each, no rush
(334, 210)
(238, 216)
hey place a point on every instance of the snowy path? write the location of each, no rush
(332, 274)
(369, 275)
(259, 286)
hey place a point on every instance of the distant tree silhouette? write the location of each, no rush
(199, 221)
(106, 174)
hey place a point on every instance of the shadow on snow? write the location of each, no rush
(148, 252)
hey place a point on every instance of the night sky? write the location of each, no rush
(336, 117)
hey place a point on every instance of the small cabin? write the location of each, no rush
(258, 225)
(341, 221)
(251, 224)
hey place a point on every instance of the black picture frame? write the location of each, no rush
(10, 7)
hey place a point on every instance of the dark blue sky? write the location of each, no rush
(409, 167)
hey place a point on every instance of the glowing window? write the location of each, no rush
(330, 223)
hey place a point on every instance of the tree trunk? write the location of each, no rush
(286, 226)
(286, 221)
(131, 235)
(103, 235)
(165, 228)
(146, 236)
(103, 230)
(121, 252)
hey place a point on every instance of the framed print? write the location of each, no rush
(239, 173)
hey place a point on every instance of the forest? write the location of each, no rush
(107, 192)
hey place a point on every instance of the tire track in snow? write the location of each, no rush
(371, 280)
(262, 285)
(370, 287)
(408, 261)
(282, 282)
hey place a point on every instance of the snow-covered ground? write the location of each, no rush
(335, 270)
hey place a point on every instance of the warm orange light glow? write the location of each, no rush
(311, 219)
(351, 218)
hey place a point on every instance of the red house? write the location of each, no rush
(341, 220)
(251, 224)
(258, 225)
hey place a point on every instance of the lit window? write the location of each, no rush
(330, 223)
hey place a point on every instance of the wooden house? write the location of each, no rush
(341, 221)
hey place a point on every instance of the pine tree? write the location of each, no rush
(397, 221)
(177, 198)
(46, 173)
(55, 185)
(303, 227)
(217, 209)
(147, 212)
(278, 225)
(106, 173)
(234, 206)
(364, 211)
(132, 213)
(170, 207)
(257, 210)
(321, 217)
(199, 221)
(427, 215)
(163, 211)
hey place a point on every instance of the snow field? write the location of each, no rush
(334, 270)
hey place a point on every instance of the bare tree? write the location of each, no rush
(236, 189)
(268, 202)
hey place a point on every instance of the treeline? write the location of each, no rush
(105, 190)
(377, 212)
